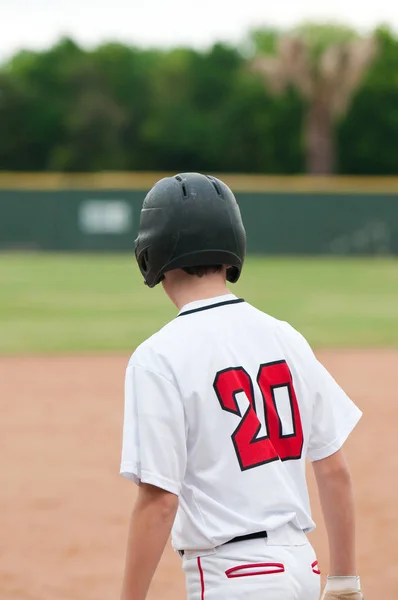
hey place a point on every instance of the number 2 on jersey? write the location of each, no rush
(284, 434)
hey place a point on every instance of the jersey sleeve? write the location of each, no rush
(154, 439)
(334, 416)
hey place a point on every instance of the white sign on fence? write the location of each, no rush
(105, 217)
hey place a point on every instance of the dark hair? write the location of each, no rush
(201, 270)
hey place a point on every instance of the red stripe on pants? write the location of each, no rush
(202, 579)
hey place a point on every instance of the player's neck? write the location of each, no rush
(188, 289)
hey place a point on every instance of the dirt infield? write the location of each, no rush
(64, 510)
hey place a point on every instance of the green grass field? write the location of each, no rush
(80, 303)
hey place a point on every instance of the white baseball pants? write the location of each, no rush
(282, 566)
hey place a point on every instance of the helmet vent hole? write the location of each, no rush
(215, 184)
(184, 187)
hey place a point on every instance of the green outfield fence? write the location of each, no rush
(282, 215)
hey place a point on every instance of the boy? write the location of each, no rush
(222, 407)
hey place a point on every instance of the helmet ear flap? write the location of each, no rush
(145, 267)
(233, 274)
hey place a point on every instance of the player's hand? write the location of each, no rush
(348, 595)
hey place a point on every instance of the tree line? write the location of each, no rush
(317, 99)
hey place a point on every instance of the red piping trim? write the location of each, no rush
(202, 579)
(268, 569)
(315, 568)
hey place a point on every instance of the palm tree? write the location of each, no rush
(326, 77)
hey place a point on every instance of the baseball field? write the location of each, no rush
(68, 324)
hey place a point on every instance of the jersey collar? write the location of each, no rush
(209, 303)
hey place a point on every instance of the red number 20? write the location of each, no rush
(284, 437)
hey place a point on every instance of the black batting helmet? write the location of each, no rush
(186, 221)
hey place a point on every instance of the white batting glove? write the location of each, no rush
(342, 588)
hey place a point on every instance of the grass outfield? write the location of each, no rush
(73, 303)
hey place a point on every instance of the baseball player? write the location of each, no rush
(222, 408)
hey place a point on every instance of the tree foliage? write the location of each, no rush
(326, 66)
(118, 107)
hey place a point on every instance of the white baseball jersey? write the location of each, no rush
(222, 406)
